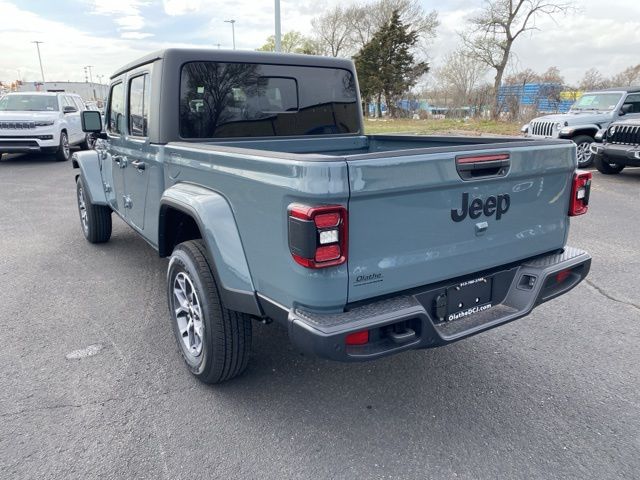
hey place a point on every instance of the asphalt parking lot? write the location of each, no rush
(554, 395)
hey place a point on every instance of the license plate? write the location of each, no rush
(468, 298)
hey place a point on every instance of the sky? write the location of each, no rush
(110, 33)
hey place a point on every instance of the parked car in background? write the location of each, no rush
(41, 122)
(251, 172)
(594, 111)
(620, 146)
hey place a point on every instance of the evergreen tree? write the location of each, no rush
(386, 67)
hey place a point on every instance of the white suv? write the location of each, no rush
(42, 122)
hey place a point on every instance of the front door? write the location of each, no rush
(114, 157)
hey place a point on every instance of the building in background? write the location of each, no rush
(87, 90)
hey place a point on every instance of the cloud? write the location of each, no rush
(130, 22)
(126, 14)
(181, 7)
(135, 35)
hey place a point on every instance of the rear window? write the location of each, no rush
(221, 100)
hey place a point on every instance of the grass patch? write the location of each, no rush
(442, 126)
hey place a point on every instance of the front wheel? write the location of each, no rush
(583, 150)
(215, 342)
(64, 150)
(95, 220)
(606, 167)
(89, 142)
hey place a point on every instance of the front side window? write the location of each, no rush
(116, 119)
(633, 102)
(139, 105)
(219, 100)
(28, 103)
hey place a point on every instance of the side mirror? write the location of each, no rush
(69, 109)
(91, 121)
(626, 108)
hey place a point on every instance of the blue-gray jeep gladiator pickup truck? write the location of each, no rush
(252, 172)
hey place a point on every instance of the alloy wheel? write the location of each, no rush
(188, 314)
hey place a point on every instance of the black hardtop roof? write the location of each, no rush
(243, 56)
(617, 89)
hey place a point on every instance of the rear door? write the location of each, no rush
(419, 219)
(73, 121)
(139, 159)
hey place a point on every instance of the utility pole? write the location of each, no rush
(86, 78)
(233, 31)
(89, 67)
(278, 33)
(37, 42)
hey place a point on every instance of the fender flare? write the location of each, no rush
(216, 222)
(580, 130)
(89, 165)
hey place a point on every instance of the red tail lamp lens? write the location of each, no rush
(562, 275)
(358, 338)
(580, 193)
(330, 252)
(326, 220)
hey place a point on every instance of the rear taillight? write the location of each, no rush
(318, 235)
(580, 193)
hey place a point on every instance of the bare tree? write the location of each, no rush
(493, 31)
(628, 77)
(332, 30)
(594, 80)
(365, 19)
(460, 75)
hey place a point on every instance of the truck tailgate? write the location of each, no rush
(414, 220)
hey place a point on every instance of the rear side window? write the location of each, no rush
(219, 100)
(79, 103)
(139, 105)
(115, 118)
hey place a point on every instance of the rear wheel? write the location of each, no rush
(64, 150)
(606, 167)
(583, 152)
(95, 220)
(214, 341)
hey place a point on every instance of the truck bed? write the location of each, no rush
(364, 147)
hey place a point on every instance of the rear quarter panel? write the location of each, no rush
(259, 189)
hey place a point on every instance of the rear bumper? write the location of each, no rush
(620, 154)
(324, 334)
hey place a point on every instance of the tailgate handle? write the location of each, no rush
(471, 167)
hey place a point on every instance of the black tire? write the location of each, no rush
(89, 142)
(581, 141)
(225, 335)
(606, 167)
(96, 227)
(63, 153)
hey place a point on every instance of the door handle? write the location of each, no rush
(120, 160)
(139, 165)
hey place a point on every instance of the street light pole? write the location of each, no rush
(233, 31)
(39, 57)
(278, 33)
